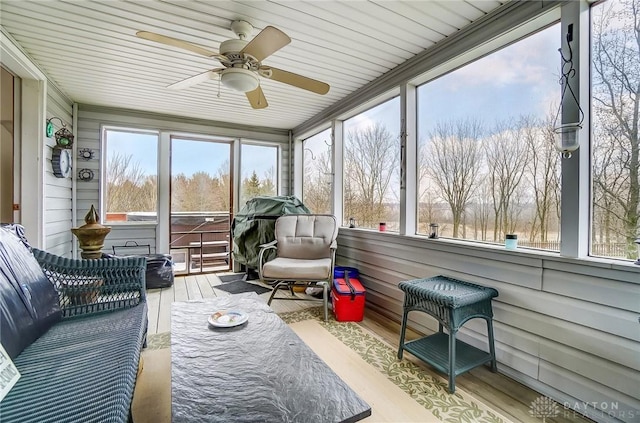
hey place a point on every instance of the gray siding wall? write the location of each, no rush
(568, 328)
(58, 214)
(92, 118)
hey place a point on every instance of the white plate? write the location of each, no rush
(228, 318)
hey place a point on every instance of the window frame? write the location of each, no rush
(576, 179)
(331, 160)
(366, 107)
(103, 173)
(278, 169)
(504, 41)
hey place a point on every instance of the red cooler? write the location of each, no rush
(347, 295)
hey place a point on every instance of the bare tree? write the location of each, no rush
(544, 173)
(453, 162)
(128, 187)
(268, 182)
(371, 159)
(179, 192)
(481, 209)
(507, 157)
(316, 188)
(223, 192)
(616, 94)
(427, 200)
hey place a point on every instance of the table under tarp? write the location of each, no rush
(260, 371)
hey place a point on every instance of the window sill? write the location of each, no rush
(130, 224)
(486, 250)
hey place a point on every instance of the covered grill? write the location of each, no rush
(254, 225)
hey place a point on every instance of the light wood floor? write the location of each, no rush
(505, 395)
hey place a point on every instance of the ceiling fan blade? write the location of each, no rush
(257, 99)
(152, 36)
(193, 80)
(267, 42)
(294, 79)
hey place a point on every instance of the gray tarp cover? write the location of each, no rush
(255, 224)
(260, 371)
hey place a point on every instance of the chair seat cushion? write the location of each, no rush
(280, 268)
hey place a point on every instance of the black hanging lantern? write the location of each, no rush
(566, 134)
(64, 137)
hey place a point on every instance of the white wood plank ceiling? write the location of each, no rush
(89, 49)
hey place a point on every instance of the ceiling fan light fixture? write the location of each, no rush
(239, 79)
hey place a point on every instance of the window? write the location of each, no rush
(130, 186)
(200, 176)
(259, 168)
(316, 179)
(200, 203)
(487, 165)
(371, 190)
(615, 103)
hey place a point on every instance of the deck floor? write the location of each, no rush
(505, 395)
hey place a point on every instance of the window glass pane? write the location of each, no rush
(487, 164)
(200, 176)
(200, 204)
(259, 169)
(615, 128)
(131, 179)
(316, 179)
(371, 167)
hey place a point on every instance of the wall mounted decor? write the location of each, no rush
(64, 137)
(86, 153)
(61, 162)
(85, 175)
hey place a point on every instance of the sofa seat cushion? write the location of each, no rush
(82, 368)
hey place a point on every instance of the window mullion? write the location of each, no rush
(408, 160)
(575, 196)
(337, 151)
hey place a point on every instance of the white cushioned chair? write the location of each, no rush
(305, 245)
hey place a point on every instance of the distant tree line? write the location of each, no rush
(129, 189)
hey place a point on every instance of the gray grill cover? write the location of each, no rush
(254, 225)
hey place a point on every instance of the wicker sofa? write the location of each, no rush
(74, 329)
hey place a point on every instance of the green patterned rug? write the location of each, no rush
(428, 388)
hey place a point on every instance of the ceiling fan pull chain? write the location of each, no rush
(219, 81)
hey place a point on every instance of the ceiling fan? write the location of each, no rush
(242, 61)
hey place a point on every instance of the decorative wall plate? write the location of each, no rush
(85, 175)
(86, 153)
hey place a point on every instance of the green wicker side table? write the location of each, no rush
(452, 303)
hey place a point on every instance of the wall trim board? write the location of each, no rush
(176, 123)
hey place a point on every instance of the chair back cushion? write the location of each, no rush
(28, 301)
(305, 236)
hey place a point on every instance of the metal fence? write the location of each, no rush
(603, 249)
